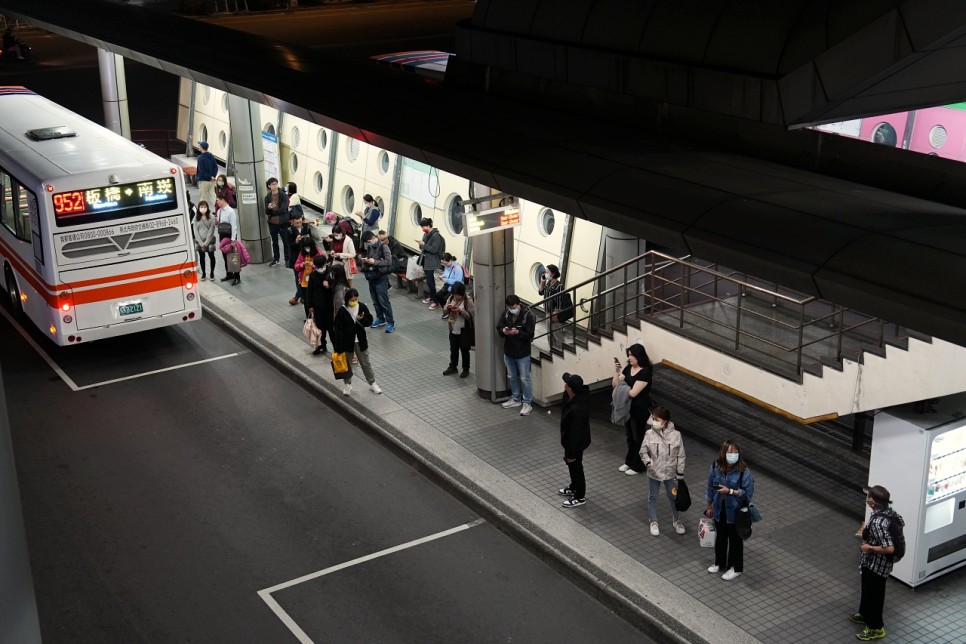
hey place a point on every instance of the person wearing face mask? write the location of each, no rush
(343, 251)
(294, 234)
(370, 214)
(432, 247)
(318, 296)
(730, 487)
(878, 548)
(349, 336)
(304, 265)
(203, 227)
(516, 326)
(459, 315)
(375, 266)
(574, 437)
(276, 210)
(663, 455)
(224, 189)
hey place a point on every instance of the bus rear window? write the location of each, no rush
(105, 203)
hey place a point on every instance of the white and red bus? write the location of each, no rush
(95, 234)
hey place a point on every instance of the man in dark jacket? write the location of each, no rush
(276, 210)
(375, 266)
(575, 437)
(432, 246)
(516, 325)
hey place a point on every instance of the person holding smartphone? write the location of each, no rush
(516, 327)
(638, 375)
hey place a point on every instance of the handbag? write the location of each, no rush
(312, 333)
(743, 524)
(682, 498)
(353, 269)
(755, 514)
(340, 366)
(224, 229)
(706, 532)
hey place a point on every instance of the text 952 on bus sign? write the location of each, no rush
(488, 221)
(106, 199)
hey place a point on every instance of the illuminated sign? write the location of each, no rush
(488, 221)
(78, 206)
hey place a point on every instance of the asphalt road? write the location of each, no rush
(157, 507)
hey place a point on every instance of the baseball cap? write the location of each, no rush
(878, 493)
(203, 145)
(576, 382)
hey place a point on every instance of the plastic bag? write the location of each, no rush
(312, 333)
(706, 532)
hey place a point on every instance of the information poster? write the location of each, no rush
(270, 152)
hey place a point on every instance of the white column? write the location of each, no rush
(114, 92)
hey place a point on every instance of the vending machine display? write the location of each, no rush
(921, 460)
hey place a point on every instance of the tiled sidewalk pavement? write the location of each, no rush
(801, 566)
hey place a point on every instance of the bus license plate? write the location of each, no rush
(130, 309)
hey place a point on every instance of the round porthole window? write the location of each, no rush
(203, 133)
(269, 128)
(383, 162)
(293, 162)
(454, 214)
(416, 213)
(348, 200)
(536, 271)
(937, 136)
(224, 102)
(352, 149)
(885, 134)
(206, 95)
(223, 139)
(296, 136)
(382, 207)
(318, 182)
(546, 222)
(322, 140)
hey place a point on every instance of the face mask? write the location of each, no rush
(514, 311)
(426, 229)
(732, 457)
(202, 210)
(337, 237)
(353, 303)
(221, 184)
(656, 424)
(371, 244)
(307, 249)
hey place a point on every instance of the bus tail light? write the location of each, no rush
(188, 279)
(66, 301)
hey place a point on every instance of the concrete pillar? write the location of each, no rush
(114, 92)
(246, 152)
(18, 607)
(493, 281)
(617, 248)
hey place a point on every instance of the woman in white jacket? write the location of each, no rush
(663, 454)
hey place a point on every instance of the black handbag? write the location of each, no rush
(682, 500)
(743, 523)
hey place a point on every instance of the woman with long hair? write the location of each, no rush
(638, 375)
(349, 337)
(730, 488)
(203, 226)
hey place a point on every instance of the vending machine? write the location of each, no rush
(920, 457)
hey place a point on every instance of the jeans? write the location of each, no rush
(518, 369)
(634, 430)
(654, 486)
(728, 546)
(578, 484)
(277, 230)
(873, 598)
(379, 291)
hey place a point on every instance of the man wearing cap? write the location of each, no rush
(205, 173)
(575, 437)
(876, 564)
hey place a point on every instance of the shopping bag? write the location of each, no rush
(414, 271)
(755, 514)
(312, 333)
(682, 499)
(234, 262)
(340, 366)
(706, 532)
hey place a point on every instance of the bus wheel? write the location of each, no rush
(14, 293)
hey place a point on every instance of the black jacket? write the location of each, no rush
(575, 425)
(383, 260)
(517, 346)
(293, 246)
(346, 331)
(319, 299)
(282, 210)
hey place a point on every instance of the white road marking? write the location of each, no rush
(74, 386)
(266, 594)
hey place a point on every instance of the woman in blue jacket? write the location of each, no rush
(730, 487)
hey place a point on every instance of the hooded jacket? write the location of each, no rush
(663, 453)
(575, 424)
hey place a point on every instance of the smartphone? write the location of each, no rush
(616, 360)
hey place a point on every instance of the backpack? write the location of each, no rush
(352, 230)
(467, 278)
(896, 523)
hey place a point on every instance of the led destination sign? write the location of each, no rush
(79, 206)
(488, 221)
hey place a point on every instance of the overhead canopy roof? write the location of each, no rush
(898, 256)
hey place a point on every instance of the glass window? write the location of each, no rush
(417, 214)
(454, 214)
(885, 134)
(547, 221)
(8, 209)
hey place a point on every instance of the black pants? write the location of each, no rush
(635, 429)
(873, 598)
(728, 546)
(431, 285)
(201, 260)
(578, 485)
(456, 347)
(228, 273)
(275, 230)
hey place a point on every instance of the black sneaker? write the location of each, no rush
(449, 371)
(465, 373)
(273, 263)
(573, 503)
(857, 618)
(226, 278)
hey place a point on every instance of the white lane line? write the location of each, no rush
(43, 354)
(290, 623)
(157, 371)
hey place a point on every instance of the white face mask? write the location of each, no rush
(732, 457)
(202, 210)
(514, 311)
(337, 237)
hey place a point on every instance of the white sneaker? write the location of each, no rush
(346, 389)
(374, 388)
(526, 409)
(655, 531)
(623, 468)
(731, 574)
(678, 527)
(511, 403)
(713, 569)
(631, 472)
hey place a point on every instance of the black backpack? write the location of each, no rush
(896, 523)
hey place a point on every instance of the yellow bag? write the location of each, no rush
(307, 269)
(340, 363)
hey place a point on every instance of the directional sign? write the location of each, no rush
(488, 221)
